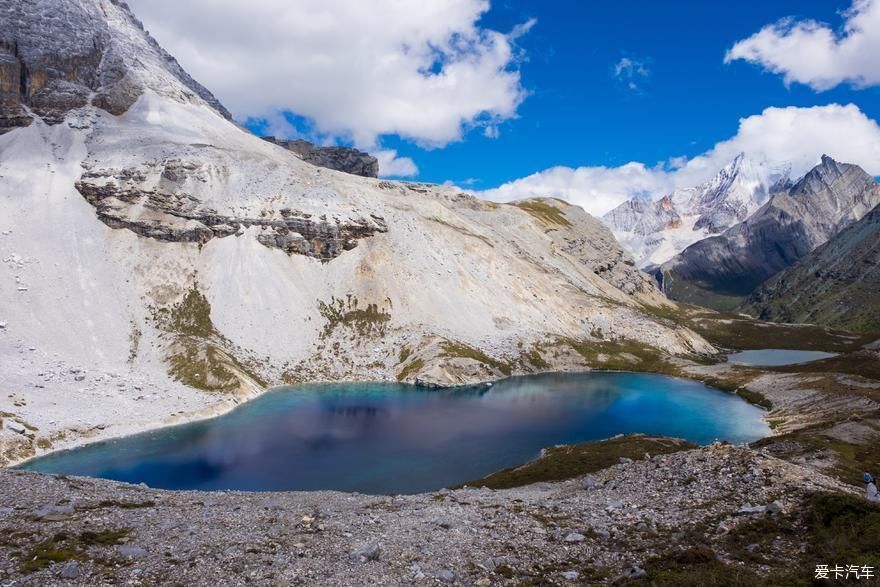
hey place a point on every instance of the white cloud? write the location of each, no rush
(811, 53)
(796, 135)
(596, 189)
(630, 72)
(424, 70)
(390, 165)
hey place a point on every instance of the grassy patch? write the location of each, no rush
(461, 350)
(414, 366)
(699, 567)
(62, 548)
(191, 316)
(735, 332)
(755, 398)
(844, 529)
(546, 213)
(104, 537)
(46, 554)
(195, 357)
(127, 505)
(738, 332)
(621, 355)
(696, 293)
(204, 366)
(863, 363)
(367, 322)
(536, 360)
(832, 528)
(405, 352)
(565, 462)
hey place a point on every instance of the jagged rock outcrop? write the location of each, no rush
(54, 55)
(654, 231)
(837, 285)
(167, 214)
(344, 159)
(720, 271)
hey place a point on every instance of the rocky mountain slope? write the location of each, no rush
(161, 264)
(719, 271)
(655, 230)
(838, 284)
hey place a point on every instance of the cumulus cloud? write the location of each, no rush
(423, 70)
(798, 136)
(390, 165)
(811, 53)
(631, 72)
(597, 189)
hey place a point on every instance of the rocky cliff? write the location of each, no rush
(838, 284)
(720, 271)
(59, 56)
(339, 158)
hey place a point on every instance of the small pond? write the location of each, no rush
(776, 357)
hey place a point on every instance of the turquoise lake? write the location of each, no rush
(383, 438)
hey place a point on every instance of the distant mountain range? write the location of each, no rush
(654, 231)
(752, 239)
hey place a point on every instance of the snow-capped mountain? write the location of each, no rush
(719, 271)
(654, 231)
(161, 263)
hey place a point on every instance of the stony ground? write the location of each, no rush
(594, 529)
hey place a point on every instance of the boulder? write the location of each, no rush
(367, 552)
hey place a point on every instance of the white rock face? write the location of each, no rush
(654, 231)
(174, 264)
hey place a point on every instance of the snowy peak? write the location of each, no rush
(56, 56)
(655, 231)
(644, 216)
(734, 194)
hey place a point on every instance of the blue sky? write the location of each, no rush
(486, 94)
(579, 113)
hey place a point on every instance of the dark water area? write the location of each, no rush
(383, 438)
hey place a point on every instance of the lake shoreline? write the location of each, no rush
(538, 410)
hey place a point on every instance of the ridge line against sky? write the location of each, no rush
(544, 100)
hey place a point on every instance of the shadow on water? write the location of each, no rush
(389, 438)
